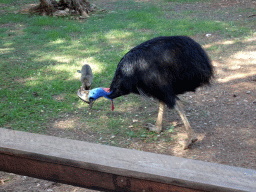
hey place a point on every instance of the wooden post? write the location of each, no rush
(108, 168)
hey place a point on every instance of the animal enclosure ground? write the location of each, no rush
(223, 116)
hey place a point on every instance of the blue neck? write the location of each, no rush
(99, 92)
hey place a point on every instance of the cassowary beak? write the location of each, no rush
(91, 101)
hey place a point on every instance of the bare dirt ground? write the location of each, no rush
(223, 116)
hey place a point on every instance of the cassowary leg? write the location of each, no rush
(191, 139)
(158, 127)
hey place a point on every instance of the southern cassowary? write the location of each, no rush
(162, 68)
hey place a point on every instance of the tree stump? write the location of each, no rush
(63, 8)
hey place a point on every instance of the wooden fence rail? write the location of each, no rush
(108, 168)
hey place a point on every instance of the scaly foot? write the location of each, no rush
(189, 143)
(153, 128)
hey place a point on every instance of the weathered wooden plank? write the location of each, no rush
(114, 169)
(82, 177)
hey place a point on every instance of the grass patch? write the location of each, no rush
(186, 1)
(40, 57)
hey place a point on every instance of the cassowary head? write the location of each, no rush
(100, 92)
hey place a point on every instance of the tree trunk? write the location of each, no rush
(80, 6)
(63, 7)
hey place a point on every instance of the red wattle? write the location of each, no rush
(112, 105)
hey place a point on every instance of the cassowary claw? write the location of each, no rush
(189, 143)
(153, 128)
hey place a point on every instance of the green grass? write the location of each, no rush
(42, 54)
(186, 1)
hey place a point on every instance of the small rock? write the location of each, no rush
(35, 94)
(248, 92)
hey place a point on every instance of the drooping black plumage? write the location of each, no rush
(163, 68)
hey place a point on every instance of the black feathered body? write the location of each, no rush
(162, 68)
